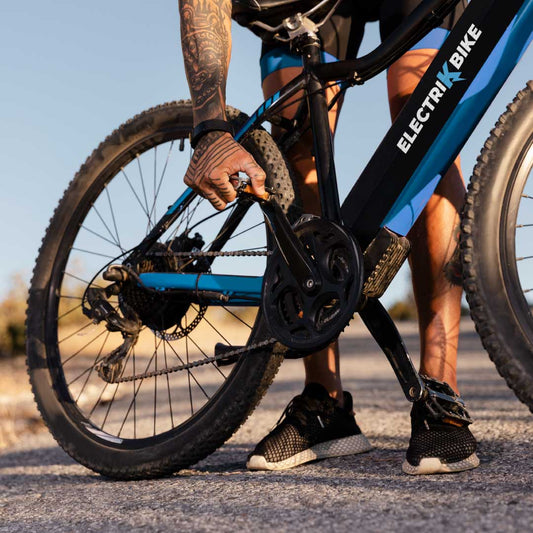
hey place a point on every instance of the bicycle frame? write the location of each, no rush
(463, 79)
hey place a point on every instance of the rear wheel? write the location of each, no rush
(497, 237)
(155, 425)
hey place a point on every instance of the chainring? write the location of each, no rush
(309, 321)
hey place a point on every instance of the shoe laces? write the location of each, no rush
(302, 408)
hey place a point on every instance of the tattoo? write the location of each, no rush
(453, 269)
(206, 44)
(208, 172)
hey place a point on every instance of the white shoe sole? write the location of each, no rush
(333, 448)
(433, 465)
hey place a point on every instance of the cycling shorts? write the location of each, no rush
(342, 34)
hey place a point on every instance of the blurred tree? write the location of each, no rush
(12, 316)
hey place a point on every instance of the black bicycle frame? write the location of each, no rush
(466, 74)
(475, 60)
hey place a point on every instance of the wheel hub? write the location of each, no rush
(157, 309)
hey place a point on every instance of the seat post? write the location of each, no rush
(310, 47)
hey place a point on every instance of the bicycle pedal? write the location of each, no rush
(221, 349)
(382, 260)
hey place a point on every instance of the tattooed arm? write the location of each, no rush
(206, 45)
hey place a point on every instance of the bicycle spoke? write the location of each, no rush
(113, 218)
(246, 230)
(112, 401)
(135, 194)
(168, 388)
(206, 356)
(135, 406)
(163, 173)
(134, 399)
(91, 368)
(107, 227)
(83, 348)
(97, 254)
(149, 221)
(75, 333)
(96, 234)
(236, 316)
(152, 211)
(156, 347)
(188, 370)
(70, 311)
(188, 375)
(84, 281)
(216, 330)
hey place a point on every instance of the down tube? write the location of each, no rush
(463, 120)
(473, 63)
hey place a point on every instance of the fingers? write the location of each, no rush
(218, 190)
(216, 160)
(257, 176)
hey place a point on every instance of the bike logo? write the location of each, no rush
(446, 78)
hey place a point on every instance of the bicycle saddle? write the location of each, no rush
(254, 14)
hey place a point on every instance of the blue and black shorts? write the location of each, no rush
(343, 32)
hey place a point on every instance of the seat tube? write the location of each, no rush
(322, 137)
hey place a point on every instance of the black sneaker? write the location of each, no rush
(438, 447)
(312, 427)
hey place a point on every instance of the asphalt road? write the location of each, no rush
(42, 489)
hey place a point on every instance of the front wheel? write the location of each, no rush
(157, 424)
(496, 242)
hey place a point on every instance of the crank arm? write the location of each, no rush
(439, 398)
(290, 247)
(384, 331)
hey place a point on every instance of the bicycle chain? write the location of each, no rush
(194, 364)
(183, 331)
(214, 358)
(237, 253)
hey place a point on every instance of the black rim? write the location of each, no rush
(140, 421)
(516, 235)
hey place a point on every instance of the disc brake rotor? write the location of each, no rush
(308, 321)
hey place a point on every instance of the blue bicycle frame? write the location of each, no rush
(479, 54)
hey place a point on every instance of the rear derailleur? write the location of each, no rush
(98, 309)
(138, 306)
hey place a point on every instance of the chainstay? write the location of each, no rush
(194, 364)
(214, 358)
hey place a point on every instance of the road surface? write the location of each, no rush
(42, 489)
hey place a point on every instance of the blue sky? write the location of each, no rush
(73, 71)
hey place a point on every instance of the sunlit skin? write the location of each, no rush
(433, 258)
(206, 46)
(206, 43)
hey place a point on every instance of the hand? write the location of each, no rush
(216, 159)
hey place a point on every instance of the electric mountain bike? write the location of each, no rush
(154, 330)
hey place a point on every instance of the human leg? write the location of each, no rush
(320, 422)
(435, 446)
(321, 367)
(434, 257)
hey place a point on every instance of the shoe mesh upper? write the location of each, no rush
(430, 438)
(311, 418)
